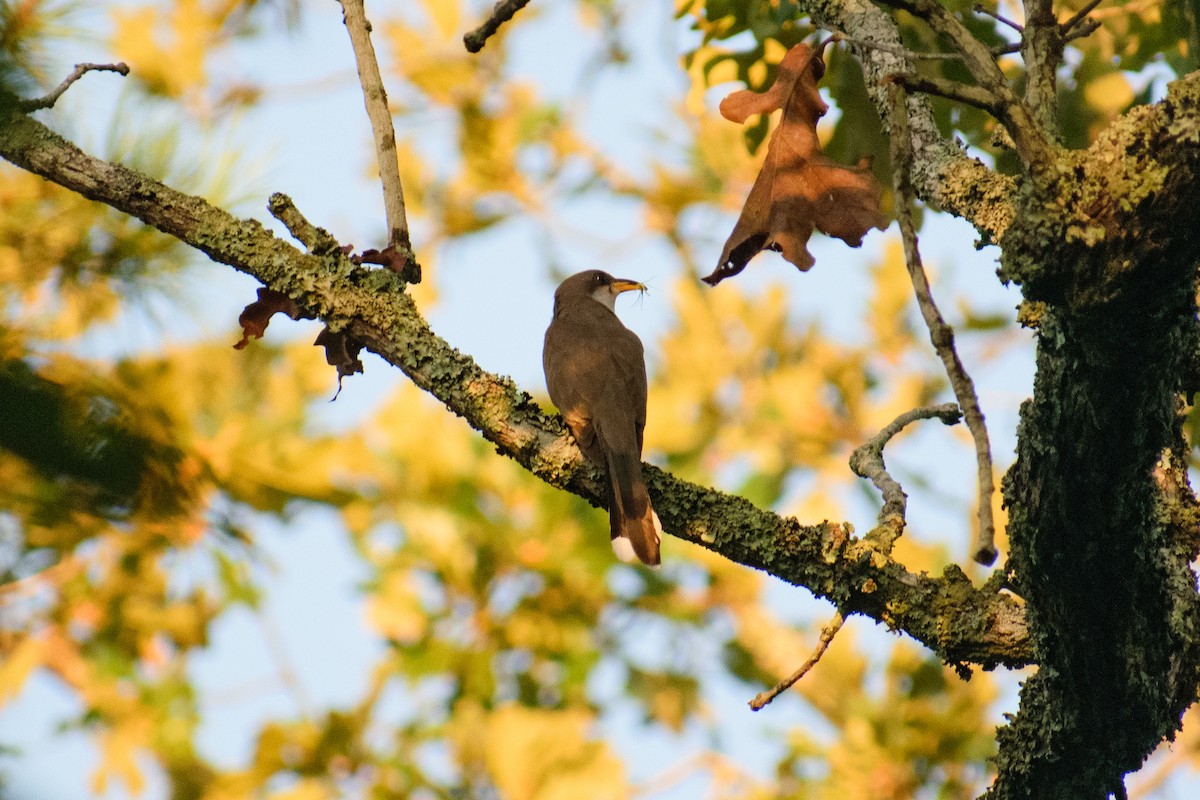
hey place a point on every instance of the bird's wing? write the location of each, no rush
(628, 379)
(568, 358)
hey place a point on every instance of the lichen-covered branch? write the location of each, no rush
(961, 623)
(1102, 524)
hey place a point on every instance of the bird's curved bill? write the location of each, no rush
(622, 285)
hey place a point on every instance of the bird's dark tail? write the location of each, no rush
(633, 525)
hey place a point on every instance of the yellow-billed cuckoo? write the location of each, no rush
(596, 374)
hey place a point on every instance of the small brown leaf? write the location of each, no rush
(398, 260)
(342, 352)
(256, 316)
(798, 188)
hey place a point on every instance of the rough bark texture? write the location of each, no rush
(1102, 525)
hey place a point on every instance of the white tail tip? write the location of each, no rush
(624, 550)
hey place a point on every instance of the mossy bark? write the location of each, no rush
(1102, 523)
(1096, 551)
(961, 623)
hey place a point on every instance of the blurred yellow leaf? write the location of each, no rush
(1110, 94)
(395, 610)
(306, 789)
(166, 47)
(890, 303)
(446, 15)
(17, 665)
(119, 748)
(539, 754)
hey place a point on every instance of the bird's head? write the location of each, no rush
(596, 284)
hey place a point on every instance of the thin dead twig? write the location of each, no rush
(375, 98)
(979, 9)
(899, 50)
(48, 101)
(916, 55)
(965, 93)
(502, 12)
(827, 633)
(867, 462)
(940, 333)
(1079, 16)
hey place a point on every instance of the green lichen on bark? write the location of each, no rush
(374, 309)
(1107, 215)
(1095, 525)
(1111, 605)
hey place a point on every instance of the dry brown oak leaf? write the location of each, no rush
(798, 188)
(256, 316)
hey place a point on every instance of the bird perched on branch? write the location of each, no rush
(596, 374)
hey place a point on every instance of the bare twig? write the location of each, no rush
(911, 55)
(914, 55)
(976, 54)
(941, 334)
(1080, 15)
(867, 462)
(80, 70)
(1084, 29)
(980, 9)
(502, 12)
(827, 633)
(952, 90)
(375, 98)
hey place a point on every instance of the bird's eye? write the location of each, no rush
(599, 279)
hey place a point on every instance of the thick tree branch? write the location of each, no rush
(1042, 50)
(1032, 143)
(1102, 524)
(948, 614)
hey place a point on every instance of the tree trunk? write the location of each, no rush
(1103, 524)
